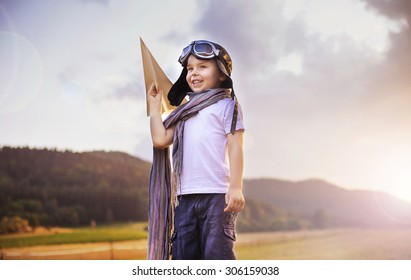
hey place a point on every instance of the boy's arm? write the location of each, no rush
(234, 197)
(160, 136)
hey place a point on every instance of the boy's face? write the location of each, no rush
(203, 74)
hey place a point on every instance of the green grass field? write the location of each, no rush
(112, 233)
(128, 241)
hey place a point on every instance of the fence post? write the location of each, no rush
(111, 251)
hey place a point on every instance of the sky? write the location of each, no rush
(324, 85)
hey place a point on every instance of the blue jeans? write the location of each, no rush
(202, 230)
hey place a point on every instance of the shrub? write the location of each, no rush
(14, 225)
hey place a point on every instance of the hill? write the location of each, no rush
(321, 204)
(66, 188)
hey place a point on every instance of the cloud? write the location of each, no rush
(116, 88)
(260, 41)
(397, 9)
(115, 107)
(251, 31)
(390, 86)
(395, 74)
(71, 73)
(316, 122)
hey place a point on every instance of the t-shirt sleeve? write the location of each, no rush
(228, 117)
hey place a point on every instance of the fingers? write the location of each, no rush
(154, 89)
(229, 208)
(234, 205)
(234, 208)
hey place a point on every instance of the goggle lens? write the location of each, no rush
(200, 49)
(203, 49)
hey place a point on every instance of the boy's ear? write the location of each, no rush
(223, 77)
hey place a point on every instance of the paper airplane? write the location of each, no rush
(154, 74)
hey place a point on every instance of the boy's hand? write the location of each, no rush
(154, 97)
(235, 200)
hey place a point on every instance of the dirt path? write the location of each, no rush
(316, 245)
(90, 251)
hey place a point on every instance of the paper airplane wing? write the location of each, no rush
(154, 74)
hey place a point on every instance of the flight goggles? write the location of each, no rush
(204, 49)
(200, 49)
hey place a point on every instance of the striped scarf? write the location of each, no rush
(162, 193)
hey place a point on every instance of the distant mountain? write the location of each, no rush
(320, 202)
(66, 188)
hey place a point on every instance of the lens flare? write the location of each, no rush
(21, 72)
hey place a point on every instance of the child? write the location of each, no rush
(205, 190)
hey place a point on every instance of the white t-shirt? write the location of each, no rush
(205, 159)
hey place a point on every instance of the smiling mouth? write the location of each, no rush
(196, 82)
